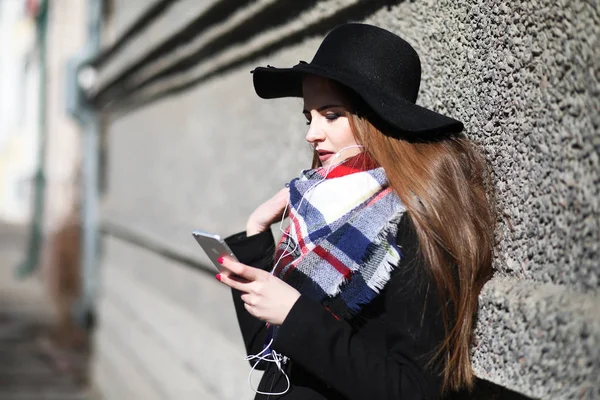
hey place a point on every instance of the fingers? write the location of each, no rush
(235, 282)
(240, 276)
(249, 309)
(241, 270)
(247, 299)
(223, 271)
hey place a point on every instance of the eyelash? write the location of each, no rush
(329, 116)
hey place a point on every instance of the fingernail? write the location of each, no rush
(220, 260)
(218, 276)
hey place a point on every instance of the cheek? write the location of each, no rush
(345, 135)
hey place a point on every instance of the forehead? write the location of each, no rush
(319, 91)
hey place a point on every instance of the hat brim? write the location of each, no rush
(408, 118)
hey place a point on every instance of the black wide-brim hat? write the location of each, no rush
(379, 66)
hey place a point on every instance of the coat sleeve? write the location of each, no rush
(257, 251)
(331, 350)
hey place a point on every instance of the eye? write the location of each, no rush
(331, 116)
(308, 122)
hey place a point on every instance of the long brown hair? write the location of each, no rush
(446, 189)
(444, 186)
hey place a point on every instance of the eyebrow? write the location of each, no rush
(305, 111)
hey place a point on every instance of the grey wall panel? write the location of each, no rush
(189, 319)
(174, 379)
(195, 292)
(104, 382)
(125, 13)
(116, 371)
(206, 158)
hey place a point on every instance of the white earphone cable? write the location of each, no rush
(273, 357)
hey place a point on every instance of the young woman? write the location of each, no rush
(372, 291)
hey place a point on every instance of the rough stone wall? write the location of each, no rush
(523, 77)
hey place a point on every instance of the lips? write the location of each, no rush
(325, 155)
(324, 152)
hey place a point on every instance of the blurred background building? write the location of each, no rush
(126, 124)
(19, 83)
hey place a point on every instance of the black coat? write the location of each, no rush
(385, 357)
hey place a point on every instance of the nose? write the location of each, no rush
(315, 132)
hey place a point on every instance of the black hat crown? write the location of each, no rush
(374, 55)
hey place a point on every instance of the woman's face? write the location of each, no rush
(329, 129)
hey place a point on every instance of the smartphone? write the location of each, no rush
(214, 247)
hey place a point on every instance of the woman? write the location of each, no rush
(372, 291)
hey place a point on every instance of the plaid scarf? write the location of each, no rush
(340, 247)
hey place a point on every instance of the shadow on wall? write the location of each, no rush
(123, 95)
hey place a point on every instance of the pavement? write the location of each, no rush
(30, 367)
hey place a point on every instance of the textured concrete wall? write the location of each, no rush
(523, 76)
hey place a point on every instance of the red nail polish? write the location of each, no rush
(220, 260)
(218, 276)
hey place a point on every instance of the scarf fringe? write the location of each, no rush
(392, 257)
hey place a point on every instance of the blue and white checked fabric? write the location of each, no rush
(340, 247)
